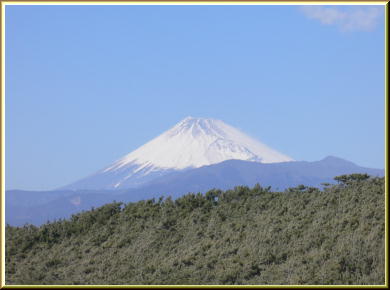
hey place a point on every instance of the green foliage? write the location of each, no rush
(350, 178)
(239, 236)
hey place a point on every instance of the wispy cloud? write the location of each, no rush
(347, 19)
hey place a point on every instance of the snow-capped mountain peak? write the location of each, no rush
(196, 142)
(191, 143)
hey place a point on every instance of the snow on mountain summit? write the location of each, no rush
(195, 142)
(192, 143)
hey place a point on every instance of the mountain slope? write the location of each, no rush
(39, 207)
(192, 143)
(232, 173)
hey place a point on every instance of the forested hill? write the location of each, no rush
(241, 236)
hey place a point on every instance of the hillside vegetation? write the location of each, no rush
(241, 236)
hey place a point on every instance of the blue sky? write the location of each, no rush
(86, 85)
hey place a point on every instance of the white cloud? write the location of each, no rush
(350, 19)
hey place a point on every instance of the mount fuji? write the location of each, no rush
(196, 155)
(192, 143)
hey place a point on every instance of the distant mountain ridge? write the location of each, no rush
(230, 173)
(39, 207)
